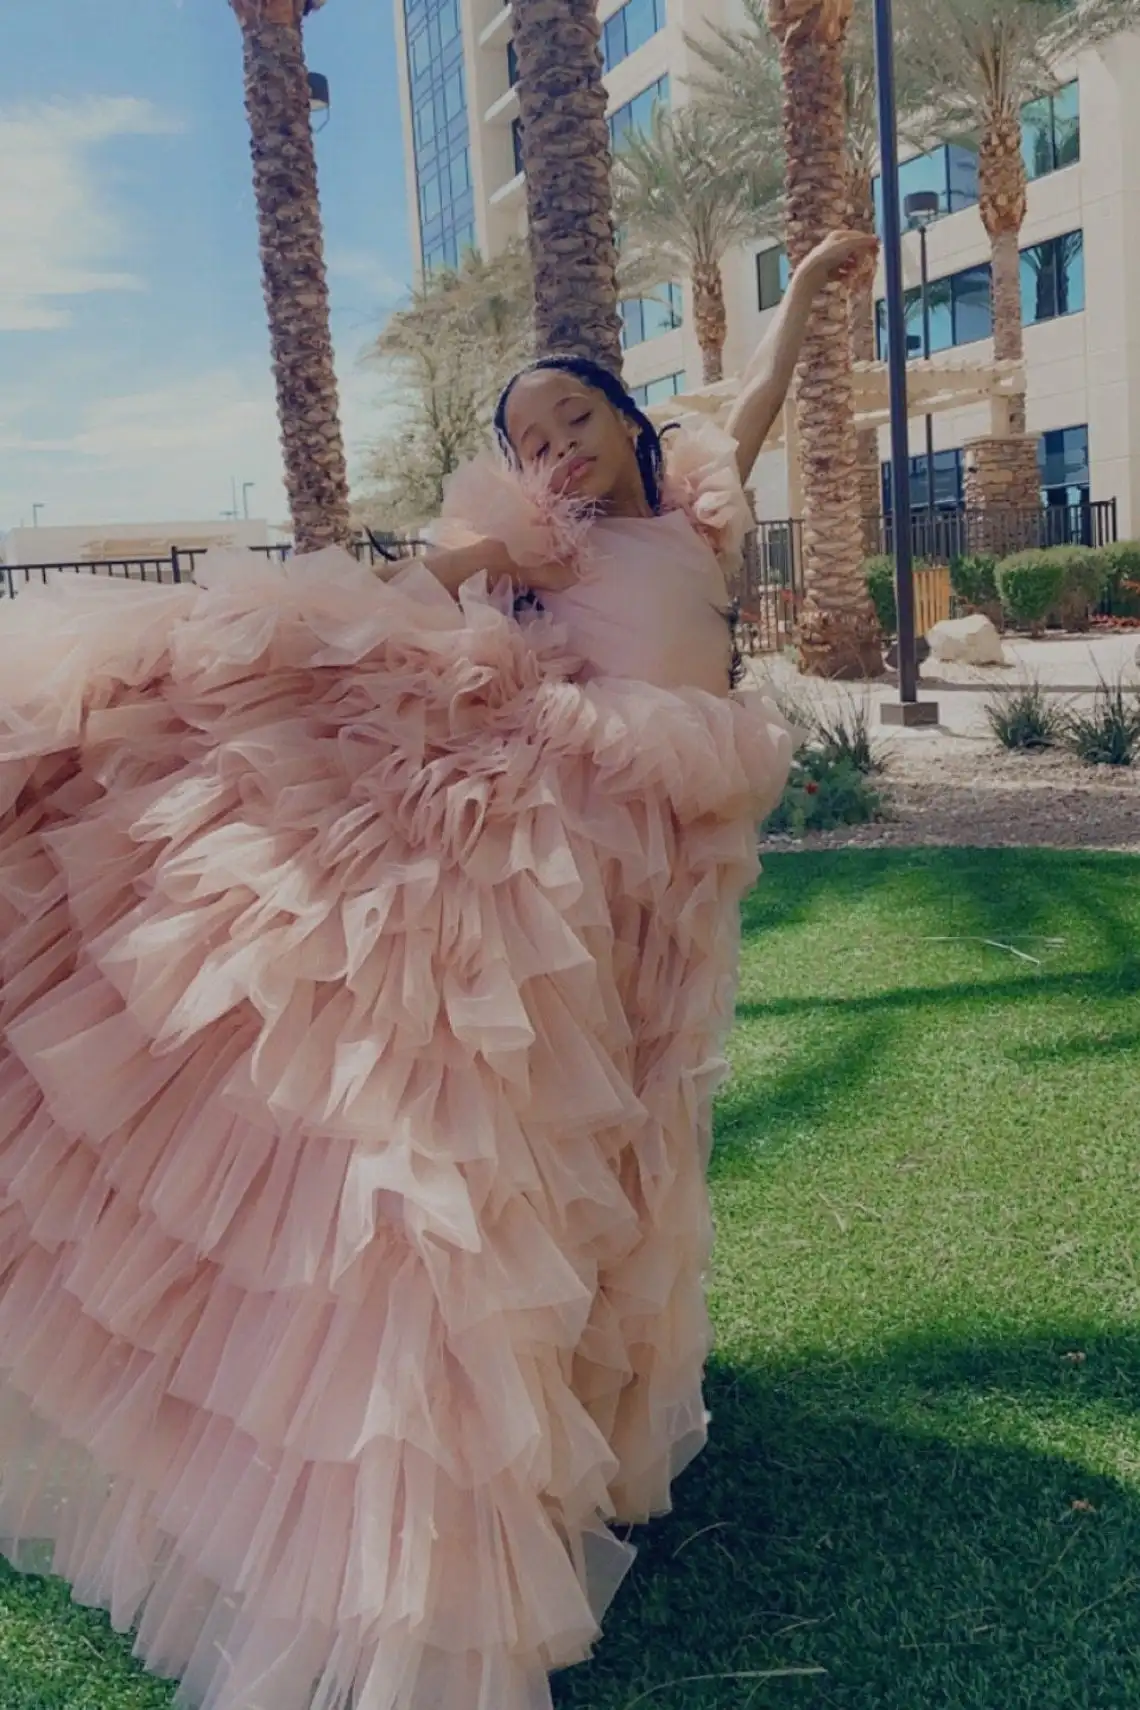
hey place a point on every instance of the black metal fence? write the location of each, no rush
(770, 588)
(943, 535)
(180, 563)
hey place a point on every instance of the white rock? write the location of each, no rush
(967, 641)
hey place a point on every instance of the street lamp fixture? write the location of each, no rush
(36, 509)
(320, 99)
(908, 711)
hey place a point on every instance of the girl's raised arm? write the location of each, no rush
(769, 374)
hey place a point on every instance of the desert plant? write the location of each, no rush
(879, 575)
(1030, 585)
(1022, 717)
(974, 579)
(822, 793)
(1109, 733)
(842, 731)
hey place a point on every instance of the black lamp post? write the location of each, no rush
(922, 208)
(908, 711)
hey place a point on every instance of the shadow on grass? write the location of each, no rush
(842, 1519)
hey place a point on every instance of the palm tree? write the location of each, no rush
(980, 61)
(742, 82)
(565, 145)
(839, 636)
(293, 268)
(684, 197)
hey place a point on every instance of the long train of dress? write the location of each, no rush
(363, 982)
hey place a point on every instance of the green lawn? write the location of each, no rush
(924, 1476)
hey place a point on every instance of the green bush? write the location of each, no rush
(879, 575)
(1085, 575)
(1023, 718)
(823, 793)
(974, 579)
(844, 732)
(1121, 577)
(1030, 585)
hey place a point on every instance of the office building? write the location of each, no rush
(1080, 241)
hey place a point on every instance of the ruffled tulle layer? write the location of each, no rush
(362, 988)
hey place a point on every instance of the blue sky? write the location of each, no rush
(134, 362)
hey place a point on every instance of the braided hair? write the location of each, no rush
(647, 447)
(650, 456)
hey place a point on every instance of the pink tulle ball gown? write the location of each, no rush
(365, 963)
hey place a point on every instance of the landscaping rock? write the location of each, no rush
(967, 641)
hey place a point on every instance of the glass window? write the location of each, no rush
(950, 171)
(772, 275)
(516, 141)
(948, 485)
(973, 305)
(440, 131)
(1051, 131)
(1063, 463)
(961, 312)
(638, 113)
(961, 177)
(1053, 279)
(630, 28)
(648, 317)
(512, 64)
(658, 391)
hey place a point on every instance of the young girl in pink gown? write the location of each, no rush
(366, 953)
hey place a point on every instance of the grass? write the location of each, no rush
(924, 1470)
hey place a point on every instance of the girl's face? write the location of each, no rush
(556, 423)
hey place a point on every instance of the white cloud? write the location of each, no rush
(62, 238)
(166, 452)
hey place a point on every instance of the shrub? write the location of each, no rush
(1085, 574)
(1121, 588)
(823, 793)
(974, 579)
(1109, 735)
(879, 575)
(1030, 585)
(843, 732)
(1023, 717)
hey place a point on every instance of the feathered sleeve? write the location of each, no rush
(703, 481)
(491, 499)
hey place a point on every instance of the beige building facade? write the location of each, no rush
(1080, 243)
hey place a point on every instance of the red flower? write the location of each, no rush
(811, 789)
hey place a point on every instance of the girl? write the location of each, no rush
(365, 957)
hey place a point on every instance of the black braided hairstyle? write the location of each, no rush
(648, 448)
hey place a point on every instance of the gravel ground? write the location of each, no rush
(977, 796)
(954, 785)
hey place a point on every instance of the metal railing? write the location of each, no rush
(943, 535)
(180, 563)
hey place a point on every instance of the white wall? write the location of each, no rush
(91, 542)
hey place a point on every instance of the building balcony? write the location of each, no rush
(514, 190)
(505, 110)
(498, 31)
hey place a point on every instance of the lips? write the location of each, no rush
(573, 473)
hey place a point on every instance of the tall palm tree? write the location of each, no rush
(741, 79)
(684, 197)
(980, 61)
(565, 145)
(293, 268)
(839, 636)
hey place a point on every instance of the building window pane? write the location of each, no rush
(948, 486)
(516, 143)
(440, 130)
(1067, 125)
(630, 28)
(1051, 131)
(772, 274)
(512, 64)
(638, 113)
(1053, 279)
(961, 177)
(950, 171)
(1063, 462)
(973, 305)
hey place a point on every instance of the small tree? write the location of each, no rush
(684, 197)
(446, 356)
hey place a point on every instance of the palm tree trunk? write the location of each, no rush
(861, 309)
(566, 157)
(710, 320)
(1001, 203)
(293, 271)
(838, 633)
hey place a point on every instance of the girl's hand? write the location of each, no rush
(838, 256)
(456, 565)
